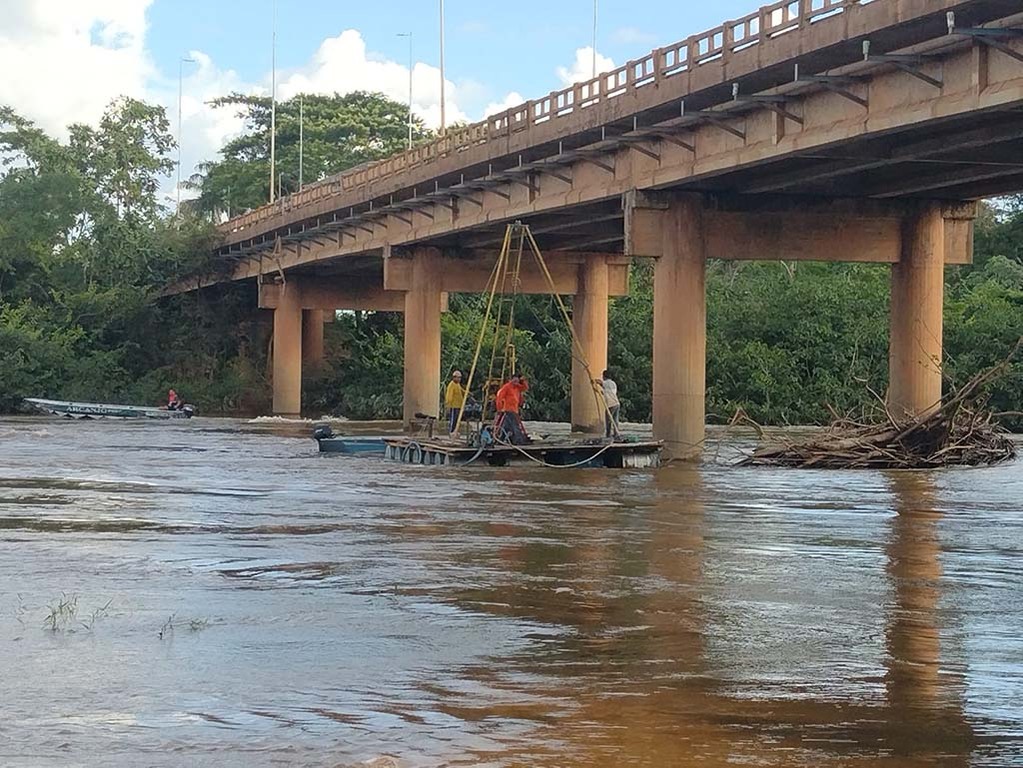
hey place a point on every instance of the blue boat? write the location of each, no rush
(355, 446)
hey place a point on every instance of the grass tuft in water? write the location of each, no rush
(96, 615)
(61, 617)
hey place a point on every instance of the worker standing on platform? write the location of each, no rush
(508, 424)
(454, 396)
(612, 405)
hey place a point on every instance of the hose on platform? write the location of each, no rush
(478, 454)
(543, 463)
(406, 453)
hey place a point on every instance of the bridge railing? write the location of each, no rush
(771, 21)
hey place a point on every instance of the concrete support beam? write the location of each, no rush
(802, 237)
(673, 230)
(312, 337)
(471, 273)
(917, 299)
(960, 220)
(589, 359)
(287, 352)
(423, 303)
(332, 295)
(748, 228)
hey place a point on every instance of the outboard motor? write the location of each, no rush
(323, 432)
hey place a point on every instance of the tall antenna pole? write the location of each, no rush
(273, 104)
(301, 137)
(443, 121)
(595, 2)
(181, 88)
(410, 65)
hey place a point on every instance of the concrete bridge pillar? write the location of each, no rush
(589, 357)
(672, 228)
(287, 352)
(312, 337)
(423, 303)
(680, 330)
(917, 301)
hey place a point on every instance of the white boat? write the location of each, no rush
(105, 411)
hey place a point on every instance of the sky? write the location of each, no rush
(65, 60)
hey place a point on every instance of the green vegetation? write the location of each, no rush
(338, 132)
(85, 249)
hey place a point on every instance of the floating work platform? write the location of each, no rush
(564, 453)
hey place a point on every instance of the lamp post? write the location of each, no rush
(273, 102)
(410, 65)
(443, 122)
(181, 91)
(301, 138)
(595, 2)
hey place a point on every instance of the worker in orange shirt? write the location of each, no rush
(508, 425)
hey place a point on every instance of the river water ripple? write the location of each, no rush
(230, 597)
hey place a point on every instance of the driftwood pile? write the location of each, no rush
(961, 432)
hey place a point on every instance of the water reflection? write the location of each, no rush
(329, 612)
(925, 698)
(637, 602)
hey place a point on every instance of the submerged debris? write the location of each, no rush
(961, 432)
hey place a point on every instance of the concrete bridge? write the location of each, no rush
(830, 130)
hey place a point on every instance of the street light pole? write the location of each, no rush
(301, 137)
(181, 90)
(410, 65)
(443, 121)
(595, 2)
(273, 103)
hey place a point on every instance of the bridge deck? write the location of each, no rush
(656, 105)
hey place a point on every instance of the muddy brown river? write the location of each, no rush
(216, 593)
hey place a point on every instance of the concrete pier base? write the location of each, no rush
(917, 302)
(680, 330)
(589, 359)
(423, 302)
(287, 352)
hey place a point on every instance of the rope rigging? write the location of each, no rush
(503, 289)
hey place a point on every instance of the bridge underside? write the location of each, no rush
(681, 231)
(900, 113)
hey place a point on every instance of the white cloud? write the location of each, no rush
(344, 64)
(203, 129)
(513, 99)
(64, 65)
(341, 64)
(582, 67)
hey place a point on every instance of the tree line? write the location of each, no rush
(86, 247)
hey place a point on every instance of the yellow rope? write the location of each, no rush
(499, 276)
(579, 353)
(492, 283)
(509, 345)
